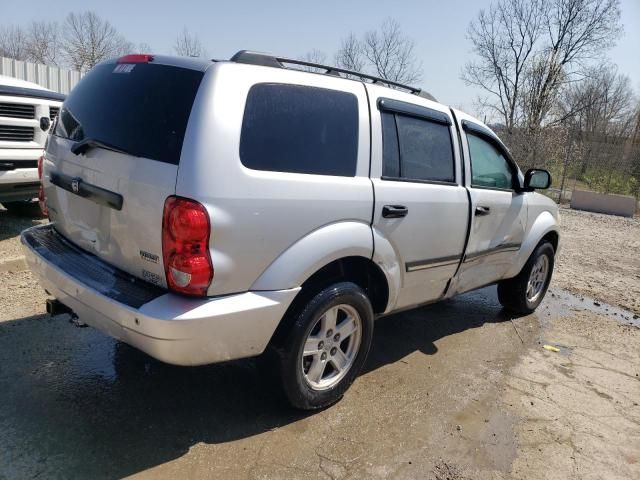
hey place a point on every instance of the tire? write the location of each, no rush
(26, 208)
(302, 385)
(513, 293)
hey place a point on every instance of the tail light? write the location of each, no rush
(185, 246)
(41, 198)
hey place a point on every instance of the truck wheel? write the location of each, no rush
(326, 347)
(523, 294)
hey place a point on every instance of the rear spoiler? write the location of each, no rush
(31, 92)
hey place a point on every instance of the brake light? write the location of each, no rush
(185, 246)
(41, 197)
(136, 58)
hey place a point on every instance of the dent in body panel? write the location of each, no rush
(115, 236)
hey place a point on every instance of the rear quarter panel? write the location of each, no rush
(257, 216)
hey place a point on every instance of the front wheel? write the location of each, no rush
(327, 346)
(523, 293)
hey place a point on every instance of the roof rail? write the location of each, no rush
(266, 60)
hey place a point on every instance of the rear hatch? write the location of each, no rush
(114, 155)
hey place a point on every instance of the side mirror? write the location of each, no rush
(536, 178)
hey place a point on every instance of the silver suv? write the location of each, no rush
(204, 211)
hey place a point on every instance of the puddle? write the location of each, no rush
(565, 303)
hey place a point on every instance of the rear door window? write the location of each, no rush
(416, 149)
(300, 129)
(142, 109)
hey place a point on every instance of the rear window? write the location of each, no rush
(299, 129)
(142, 109)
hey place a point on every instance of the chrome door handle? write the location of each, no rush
(482, 211)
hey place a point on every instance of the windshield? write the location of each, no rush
(142, 109)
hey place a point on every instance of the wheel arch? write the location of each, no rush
(307, 255)
(553, 237)
(544, 228)
(359, 270)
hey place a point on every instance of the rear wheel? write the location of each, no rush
(523, 293)
(327, 346)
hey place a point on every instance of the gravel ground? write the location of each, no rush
(577, 410)
(600, 258)
(18, 297)
(10, 227)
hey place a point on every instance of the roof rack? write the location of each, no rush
(266, 60)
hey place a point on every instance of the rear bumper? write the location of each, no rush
(169, 327)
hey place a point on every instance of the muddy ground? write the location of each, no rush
(600, 257)
(457, 390)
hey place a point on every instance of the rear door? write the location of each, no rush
(499, 212)
(420, 206)
(113, 160)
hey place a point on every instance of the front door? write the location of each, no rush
(498, 211)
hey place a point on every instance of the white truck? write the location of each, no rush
(204, 211)
(26, 113)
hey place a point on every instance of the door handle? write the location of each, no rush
(394, 211)
(482, 211)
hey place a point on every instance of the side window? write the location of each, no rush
(416, 149)
(299, 129)
(489, 168)
(390, 153)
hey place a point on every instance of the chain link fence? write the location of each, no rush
(603, 163)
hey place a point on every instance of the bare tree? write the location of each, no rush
(313, 56)
(528, 49)
(602, 102)
(89, 39)
(576, 31)
(13, 43)
(385, 52)
(601, 110)
(391, 54)
(350, 56)
(503, 39)
(188, 44)
(43, 43)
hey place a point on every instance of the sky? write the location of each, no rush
(292, 28)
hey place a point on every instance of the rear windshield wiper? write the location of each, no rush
(83, 145)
